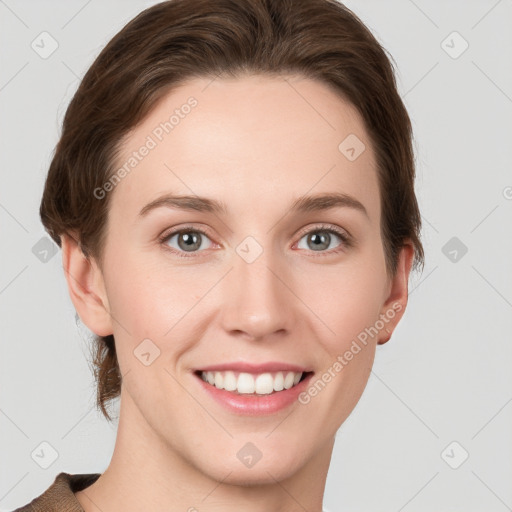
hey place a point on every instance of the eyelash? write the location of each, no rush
(345, 239)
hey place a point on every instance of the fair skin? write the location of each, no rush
(255, 144)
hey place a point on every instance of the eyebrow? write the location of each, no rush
(317, 202)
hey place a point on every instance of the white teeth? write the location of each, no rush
(264, 384)
(288, 380)
(247, 383)
(219, 380)
(230, 381)
(279, 382)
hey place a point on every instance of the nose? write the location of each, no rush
(257, 302)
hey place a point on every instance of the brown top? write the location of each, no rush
(60, 497)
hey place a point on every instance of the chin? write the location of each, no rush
(262, 474)
(265, 471)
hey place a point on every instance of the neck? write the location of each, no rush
(147, 473)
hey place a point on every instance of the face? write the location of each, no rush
(251, 279)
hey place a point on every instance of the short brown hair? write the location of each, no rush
(177, 40)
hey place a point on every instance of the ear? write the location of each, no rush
(398, 293)
(86, 287)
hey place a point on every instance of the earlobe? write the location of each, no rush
(396, 302)
(86, 287)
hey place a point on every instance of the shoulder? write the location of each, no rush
(60, 495)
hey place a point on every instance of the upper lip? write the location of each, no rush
(271, 366)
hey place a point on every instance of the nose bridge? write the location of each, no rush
(256, 301)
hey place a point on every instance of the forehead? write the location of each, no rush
(257, 138)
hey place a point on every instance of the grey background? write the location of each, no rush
(445, 375)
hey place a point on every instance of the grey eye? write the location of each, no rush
(318, 240)
(188, 241)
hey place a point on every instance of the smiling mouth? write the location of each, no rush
(256, 384)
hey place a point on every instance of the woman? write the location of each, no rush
(233, 193)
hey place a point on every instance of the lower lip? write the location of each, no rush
(255, 405)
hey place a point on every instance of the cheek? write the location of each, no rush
(138, 289)
(150, 298)
(345, 299)
(138, 303)
(349, 305)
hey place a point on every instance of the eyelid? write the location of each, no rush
(167, 233)
(343, 233)
(170, 232)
